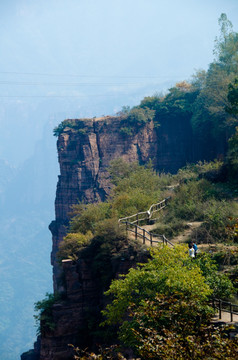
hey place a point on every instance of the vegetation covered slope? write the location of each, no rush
(168, 297)
(205, 99)
(161, 308)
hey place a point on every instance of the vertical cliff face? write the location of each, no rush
(85, 152)
(84, 157)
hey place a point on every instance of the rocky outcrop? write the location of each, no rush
(33, 354)
(81, 304)
(84, 157)
(85, 153)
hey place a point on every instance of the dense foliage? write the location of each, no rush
(167, 303)
(135, 189)
(44, 318)
(76, 125)
(204, 101)
(202, 195)
(162, 306)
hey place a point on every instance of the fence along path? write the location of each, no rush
(227, 311)
(132, 224)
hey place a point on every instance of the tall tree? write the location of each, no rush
(210, 117)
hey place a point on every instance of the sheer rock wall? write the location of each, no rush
(84, 157)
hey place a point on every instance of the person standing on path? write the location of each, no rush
(195, 248)
(191, 251)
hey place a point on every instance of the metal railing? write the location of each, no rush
(145, 235)
(145, 215)
(140, 232)
(225, 306)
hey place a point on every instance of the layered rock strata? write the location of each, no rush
(85, 152)
(84, 157)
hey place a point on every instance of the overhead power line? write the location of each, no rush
(96, 76)
(56, 96)
(2, 82)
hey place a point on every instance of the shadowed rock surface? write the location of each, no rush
(84, 156)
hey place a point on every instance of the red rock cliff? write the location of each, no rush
(84, 157)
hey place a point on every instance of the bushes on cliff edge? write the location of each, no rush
(71, 246)
(95, 226)
(134, 119)
(44, 318)
(199, 199)
(77, 125)
(135, 189)
(162, 306)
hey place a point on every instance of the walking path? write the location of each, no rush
(225, 317)
(181, 238)
(143, 233)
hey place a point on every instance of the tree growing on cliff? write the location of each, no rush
(226, 45)
(186, 335)
(163, 311)
(169, 271)
(44, 318)
(209, 113)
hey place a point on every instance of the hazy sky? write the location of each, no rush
(110, 37)
(102, 53)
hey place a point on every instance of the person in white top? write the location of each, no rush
(191, 251)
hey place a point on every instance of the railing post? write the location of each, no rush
(148, 218)
(126, 229)
(151, 241)
(137, 219)
(231, 312)
(219, 308)
(144, 236)
(136, 232)
(213, 303)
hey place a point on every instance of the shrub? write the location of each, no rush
(220, 283)
(86, 217)
(119, 169)
(72, 124)
(45, 319)
(170, 229)
(140, 116)
(106, 250)
(126, 131)
(72, 244)
(134, 119)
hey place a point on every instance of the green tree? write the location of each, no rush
(186, 335)
(72, 244)
(85, 217)
(162, 307)
(138, 116)
(232, 108)
(210, 117)
(232, 155)
(233, 97)
(44, 318)
(226, 45)
(169, 271)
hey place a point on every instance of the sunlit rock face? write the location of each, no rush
(84, 157)
(85, 154)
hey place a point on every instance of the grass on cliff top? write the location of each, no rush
(199, 195)
(131, 121)
(135, 189)
(202, 196)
